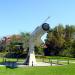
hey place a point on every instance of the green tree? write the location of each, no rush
(69, 41)
(25, 40)
(55, 39)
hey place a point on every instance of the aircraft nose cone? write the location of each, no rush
(45, 26)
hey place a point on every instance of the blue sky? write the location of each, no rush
(24, 15)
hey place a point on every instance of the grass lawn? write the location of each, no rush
(66, 69)
(51, 70)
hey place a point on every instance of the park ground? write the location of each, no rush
(65, 69)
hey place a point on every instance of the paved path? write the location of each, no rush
(43, 64)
